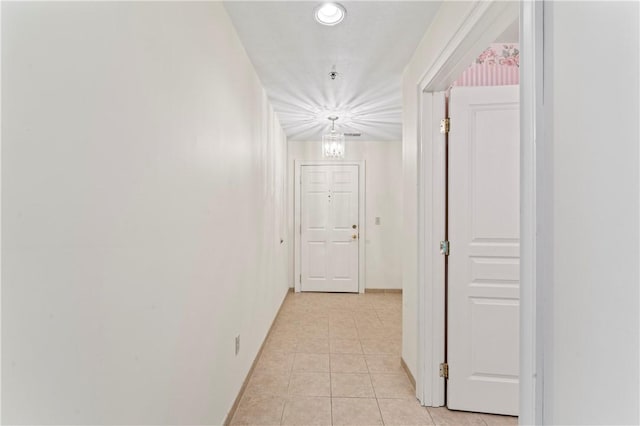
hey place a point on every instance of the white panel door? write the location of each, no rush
(329, 228)
(484, 263)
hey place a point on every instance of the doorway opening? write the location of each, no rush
(469, 348)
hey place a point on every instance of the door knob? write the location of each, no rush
(354, 226)
(354, 236)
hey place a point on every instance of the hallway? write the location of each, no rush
(173, 171)
(335, 359)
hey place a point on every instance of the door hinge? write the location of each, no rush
(444, 248)
(300, 278)
(445, 125)
(444, 370)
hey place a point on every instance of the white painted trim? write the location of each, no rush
(362, 282)
(531, 132)
(424, 326)
(485, 21)
(482, 25)
(431, 222)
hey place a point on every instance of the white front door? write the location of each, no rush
(329, 228)
(484, 260)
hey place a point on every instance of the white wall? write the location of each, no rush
(448, 19)
(383, 195)
(587, 207)
(143, 203)
(588, 217)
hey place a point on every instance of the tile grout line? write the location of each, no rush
(378, 316)
(433, 422)
(287, 398)
(371, 378)
(330, 386)
(297, 329)
(377, 401)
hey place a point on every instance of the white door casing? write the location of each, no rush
(432, 210)
(484, 235)
(329, 220)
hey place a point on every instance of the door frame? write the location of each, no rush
(485, 21)
(297, 229)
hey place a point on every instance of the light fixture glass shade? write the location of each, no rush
(333, 145)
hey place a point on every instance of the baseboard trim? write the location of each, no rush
(406, 370)
(383, 290)
(234, 407)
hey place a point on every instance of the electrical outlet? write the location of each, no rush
(237, 344)
(377, 220)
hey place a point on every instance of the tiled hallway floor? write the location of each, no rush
(334, 359)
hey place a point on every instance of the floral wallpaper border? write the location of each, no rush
(505, 54)
(498, 65)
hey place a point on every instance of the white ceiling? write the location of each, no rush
(294, 55)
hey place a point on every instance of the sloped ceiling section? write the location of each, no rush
(294, 55)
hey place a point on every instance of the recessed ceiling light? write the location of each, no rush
(330, 13)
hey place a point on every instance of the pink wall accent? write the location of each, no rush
(499, 65)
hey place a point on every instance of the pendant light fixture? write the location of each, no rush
(333, 142)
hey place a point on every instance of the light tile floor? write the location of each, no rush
(334, 359)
